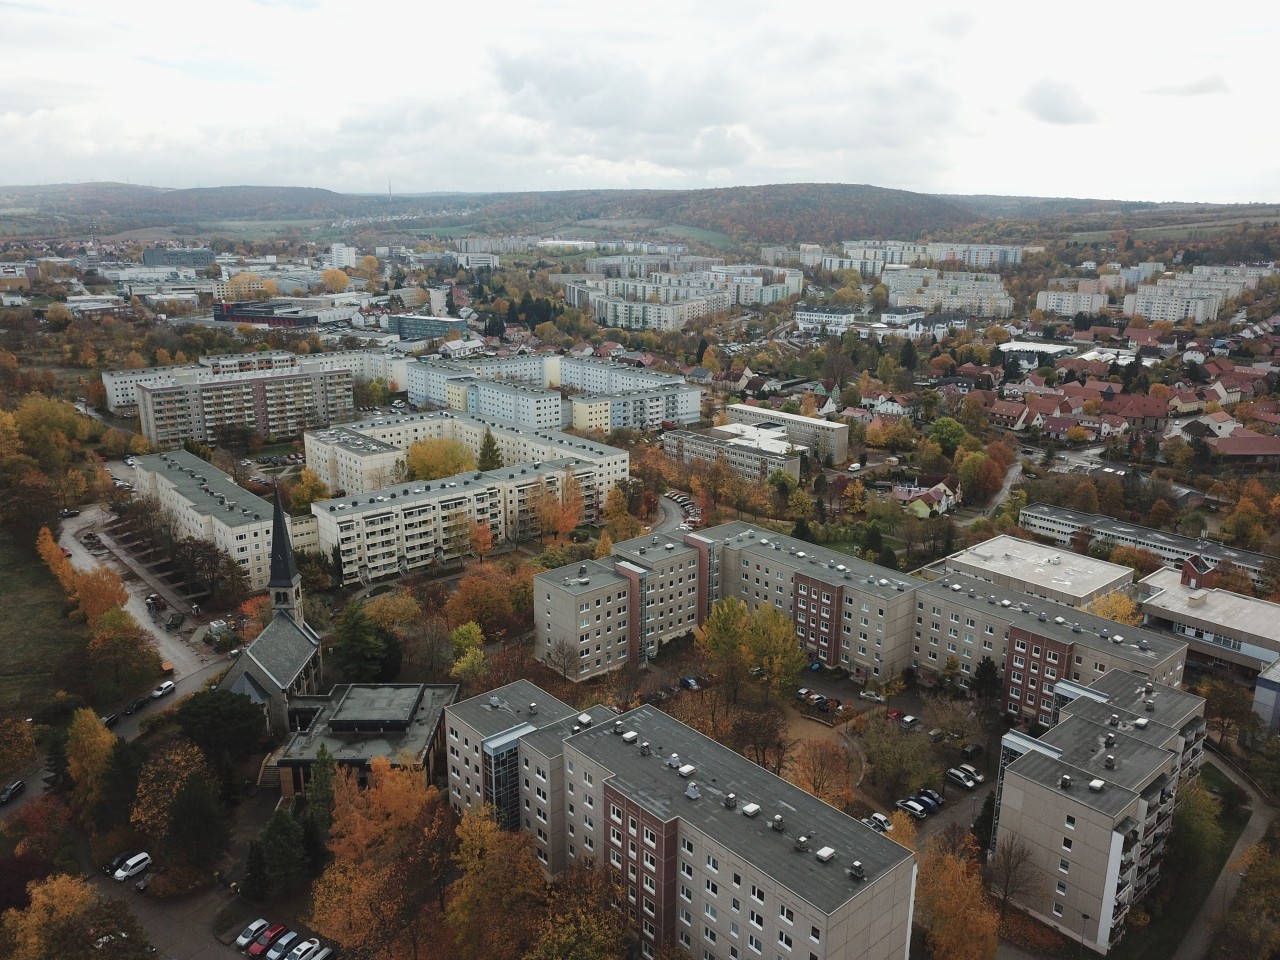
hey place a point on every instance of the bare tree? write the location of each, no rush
(561, 656)
(822, 768)
(1011, 872)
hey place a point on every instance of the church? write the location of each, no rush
(285, 661)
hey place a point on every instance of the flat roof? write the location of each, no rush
(209, 491)
(1172, 705)
(589, 575)
(1233, 612)
(353, 441)
(650, 782)
(1083, 743)
(507, 707)
(1153, 539)
(1047, 771)
(1057, 621)
(382, 720)
(578, 445)
(781, 417)
(1062, 571)
(764, 442)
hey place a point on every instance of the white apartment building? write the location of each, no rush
(752, 452)
(977, 294)
(341, 256)
(516, 404)
(635, 409)
(1067, 303)
(712, 851)
(476, 261)
(824, 437)
(833, 320)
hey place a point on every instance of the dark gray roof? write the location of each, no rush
(283, 649)
(507, 707)
(549, 740)
(1084, 746)
(1171, 706)
(357, 722)
(247, 686)
(1048, 772)
(284, 570)
(654, 785)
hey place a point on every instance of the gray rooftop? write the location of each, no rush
(1155, 540)
(1027, 560)
(650, 549)
(210, 491)
(573, 444)
(1047, 771)
(283, 649)
(549, 740)
(1057, 621)
(1235, 612)
(585, 577)
(654, 785)
(1084, 746)
(1151, 732)
(511, 709)
(1171, 705)
(358, 722)
(350, 440)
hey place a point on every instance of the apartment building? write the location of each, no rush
(412, 326)
(1223, 629)
(517, 445)
(974, 294)
(349, 462)
(752, 452)
(207, 504)
(177, 257)
(419, 524)
(981, 255)
(642, 315)
(513, 403)
(1093, 800)
(825, 437)
(275, 404)
(341, 256)
(1033, 569)
(1068, 303)
(627, 265)
(1060, 524)
(712, 851)
(833, 320)
(645, 409)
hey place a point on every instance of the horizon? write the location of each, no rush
(565, 96)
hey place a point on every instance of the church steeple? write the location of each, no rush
(285, 585)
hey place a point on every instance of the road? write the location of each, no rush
(1010, 478)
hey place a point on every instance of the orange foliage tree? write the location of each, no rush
(97, 591)
(55, 560)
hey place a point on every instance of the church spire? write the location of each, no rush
(285, 585)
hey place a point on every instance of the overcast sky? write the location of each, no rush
(1117, 100)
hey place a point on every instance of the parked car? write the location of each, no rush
(251, 932)
(933, 795)
(926, 802)
(115, 863)
(304, 949)
(971, 751)
(911, 808)
(910, 723)
(855, 467)
(282, 946)
(109, 720)
(881, 822)
(164, 689)
(972, 771)
(68, 513)
(137, 704)
(135, 865)
(265, 939)
(870, 695)
(12, 790)
(803, 693)
(960, 778)
(689, 683)
(894, 716)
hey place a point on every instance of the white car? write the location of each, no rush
(870, 695)
(912, 809)
(165, 688)
(304, 949)
(881, 822)
(251, 933)
(972, 771)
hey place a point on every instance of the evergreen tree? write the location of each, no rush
(359, 646)
(490, 457)
(283, 853)
(254, 886)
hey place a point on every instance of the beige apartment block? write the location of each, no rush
(1046, 573)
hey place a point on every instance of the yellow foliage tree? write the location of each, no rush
(89, 746)
(97, 591)
(160, 781)
(433, 459)
(57, 916)
(335, 280)
(55, 560)
(1118, 606)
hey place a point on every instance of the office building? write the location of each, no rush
(1093, 800)
(1060, 525)
(274, 313)
(712, 852)
(412, 326)
(832, 321)
(275, 404)
(177, 257)
(825, 438)
(752, 452)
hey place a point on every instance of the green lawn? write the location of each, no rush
(34, 634)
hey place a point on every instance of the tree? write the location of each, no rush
(481, 538)
(306, 490)
(486, 594)
(821, 767)
(898, 759)
(771, 646)
(799, 505)
(1144, 562)
(986, 680)
(604, 546)
(948, 433)
(56, 560)
(121, 650)
(570, 514)
(335, 280)
(1117, 606)
(721, 639)
(466, 638)
(1228, 705)
(162, 780)
(1012, 872)
(97, 591)
(221, 723)
(395, 613)
(1197, 828)
(64, 918)
(433, 459)
(581, 921)
(17, 745)
(284, 857)
(199, 832)
(490, 457)
(358, 645)
(89, 748)
(953, 906)
(619, 523)
(494, 904)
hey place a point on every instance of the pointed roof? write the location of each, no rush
(284, 570)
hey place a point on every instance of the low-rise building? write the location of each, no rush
(826, 438)
(753, 452)
(1022, 566)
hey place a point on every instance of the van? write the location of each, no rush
(133, 866)
(909, 722)
(855, 467)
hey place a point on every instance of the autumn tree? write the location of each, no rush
(897, 758)
(903, 831)
(619, 523)
(953, 907)
(433, 459)
(306, 490)
(1012, 872)
(771, 646)
(161, 779)
(1117, 606)
(396, 613)
(494, 905)
(481, 538)
(821, 767)
(335, 280)
(121, 651)
(484, 595)
(581, 921)
(722, 640)
(64, 918)
(1144, 562)
(89, 748)
(57, 562)
(604, 546)
(570, 514)
(17, 745)
(97, 591)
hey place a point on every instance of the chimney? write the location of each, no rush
(777, 823)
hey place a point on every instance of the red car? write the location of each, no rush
(266, 939)
(894, 716)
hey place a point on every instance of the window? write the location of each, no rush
(1062, 889)
(757, 921)
(709, 935)
(650, 884)
(686, 845)
(686, 870)
(685, 893)
(757, 894)
(815, 935)
(1066, 843)
(650, 837)
(786, 913)
(1057, 909)
(755, 943)
(615, 814)
(1064, 866)
(713, 888)
(713, 863)
(784, 938)
(1071, 822)
(709, 910)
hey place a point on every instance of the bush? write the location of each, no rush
(178, 882)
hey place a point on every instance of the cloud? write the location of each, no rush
(1053, 101)
(1204, 86)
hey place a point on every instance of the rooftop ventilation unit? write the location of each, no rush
(533, 708)
(855, 871)
(1110, 761)
(1141, 723)
(1097, 785)
(802, 843)
(1143, 645)
(1149, 687)
(1075, 628)
(618, 726)
(630, 737)
(1150, 705)
(777, 823)
(1115, 720)
(730, 800)
(691, 791)
(584, 719)
(687, 770)
(495, 701)
(750, 809)
(1065, 782)
(825, 854)
(1109, 739)
(644, 749)
(673, 761)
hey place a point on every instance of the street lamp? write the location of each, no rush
(1084, 923)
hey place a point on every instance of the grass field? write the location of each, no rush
(710, 237)
(34, 635)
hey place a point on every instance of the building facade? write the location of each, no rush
(825, 438)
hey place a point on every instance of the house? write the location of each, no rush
(885, 401)
(1222, 392)
(285, 660)
(1182, 402)
(1246, 447)
(1056, 428)
(699, 375)
(985, 377)
(1007, 414)
(925, 499)
(1142, 412)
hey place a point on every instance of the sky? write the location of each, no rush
(1119, 100)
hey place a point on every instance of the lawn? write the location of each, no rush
(34, 634)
